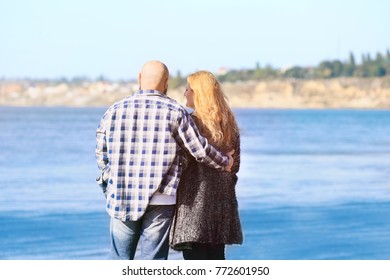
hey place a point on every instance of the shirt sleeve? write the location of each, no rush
(237, 154)
(198, 146)
(101, 150)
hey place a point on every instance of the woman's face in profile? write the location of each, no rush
(189, 94)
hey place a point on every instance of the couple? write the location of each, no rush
(170, 176)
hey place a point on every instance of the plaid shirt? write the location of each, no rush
(140, 144)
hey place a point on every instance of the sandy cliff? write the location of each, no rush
(332, 93)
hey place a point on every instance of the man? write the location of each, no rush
(139, 146)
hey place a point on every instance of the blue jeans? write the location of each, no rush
(152, 230)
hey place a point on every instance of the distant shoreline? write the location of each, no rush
(337, 93)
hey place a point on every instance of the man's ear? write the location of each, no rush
(166, 82)
(166, 86)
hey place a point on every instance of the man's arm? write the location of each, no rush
(101, 151)
(199, 147)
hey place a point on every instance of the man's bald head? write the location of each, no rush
(154, 75)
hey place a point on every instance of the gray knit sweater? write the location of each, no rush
(206, 207)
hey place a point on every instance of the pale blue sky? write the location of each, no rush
(67, 38)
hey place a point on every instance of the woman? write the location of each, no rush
(206, 216)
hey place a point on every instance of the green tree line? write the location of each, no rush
(369, 67)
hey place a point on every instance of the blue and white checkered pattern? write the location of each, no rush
(140, 144)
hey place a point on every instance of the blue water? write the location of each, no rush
(313, 184)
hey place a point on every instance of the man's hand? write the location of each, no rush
(228, 168)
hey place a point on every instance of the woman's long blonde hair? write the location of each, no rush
(216, 119)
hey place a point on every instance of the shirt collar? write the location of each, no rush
(149, 92)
